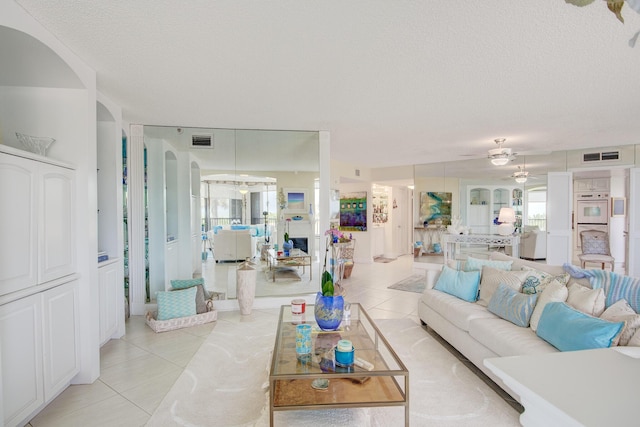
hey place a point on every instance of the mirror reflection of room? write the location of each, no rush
(213, 202)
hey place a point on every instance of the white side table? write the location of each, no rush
(574, 388)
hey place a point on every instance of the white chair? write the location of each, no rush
(595, 248)
(533, 244)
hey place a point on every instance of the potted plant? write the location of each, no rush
(329, 305)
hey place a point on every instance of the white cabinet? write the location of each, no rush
(21, 346)
(37, 226)
(594, 184)
(56, 226)
(484, 203)
(61, 357)
(111, 301)
(39, 349)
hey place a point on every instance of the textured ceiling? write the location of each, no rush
(395, 82)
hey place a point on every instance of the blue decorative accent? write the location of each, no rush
(513, 306)
(461, 284)
(328, 311)
(174, 304)
(568, 329)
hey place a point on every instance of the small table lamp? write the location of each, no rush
(506, 219)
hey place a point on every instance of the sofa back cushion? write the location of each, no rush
(461, 284)
(517, 264)
(476, 264)
(568, 329)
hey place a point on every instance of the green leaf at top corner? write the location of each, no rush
(579, 3)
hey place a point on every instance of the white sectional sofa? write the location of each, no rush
(478, 333)
(234, 245)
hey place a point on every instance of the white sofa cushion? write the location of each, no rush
(554, 292)
(589, 301)
(621, 311)
(457, 311)
(493, 277)
(507, 339)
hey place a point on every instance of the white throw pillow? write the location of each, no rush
(492, 278)
(537, 280)
(553, 292)
(635, 340)
(621, 311)
(589, 301)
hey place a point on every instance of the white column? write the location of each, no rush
(325, 190)
(135, 150)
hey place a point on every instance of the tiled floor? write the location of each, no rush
(138, 370)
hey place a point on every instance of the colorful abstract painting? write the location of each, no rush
(435, 208)
(353, 211)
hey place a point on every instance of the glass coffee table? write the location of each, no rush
(296, 258)
(316, 382)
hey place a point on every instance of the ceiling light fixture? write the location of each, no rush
(500, 156)
(243, 189)
(522, 175)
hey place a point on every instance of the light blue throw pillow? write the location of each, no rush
(475, 264)
(513, 306)
(461, 284)
(174, 304)
(568, 329)
(186, 283)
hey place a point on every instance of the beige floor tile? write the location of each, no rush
(119, 351)
(136, 372)
(76, 397)
(149, 395)
(114, 411)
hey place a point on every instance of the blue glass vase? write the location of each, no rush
(287, 246)
(328, 311)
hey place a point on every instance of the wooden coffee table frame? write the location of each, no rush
(290, 381)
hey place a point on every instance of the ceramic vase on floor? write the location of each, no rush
(246, 287)
(328, 311)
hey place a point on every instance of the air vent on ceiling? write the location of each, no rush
(600, 156)
(202, 141)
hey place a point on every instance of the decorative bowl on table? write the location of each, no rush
(35, 144)
(296, 218)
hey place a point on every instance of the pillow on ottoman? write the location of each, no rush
(173, 304)
(568, 329)
(461, 284)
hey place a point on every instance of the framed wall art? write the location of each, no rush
(618, 206)
(296, 200)
(353, 211)
(435, 208)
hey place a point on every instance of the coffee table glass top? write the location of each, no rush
(292, 377)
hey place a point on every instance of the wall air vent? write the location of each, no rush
(600, 156)
(201, 141)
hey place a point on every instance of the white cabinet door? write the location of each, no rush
(559, 208)
(56, 255)
(111, 287)
(600, 184)
(21, 346)
(61, 348)
(18, 224)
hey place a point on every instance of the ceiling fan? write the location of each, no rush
(501, 156)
